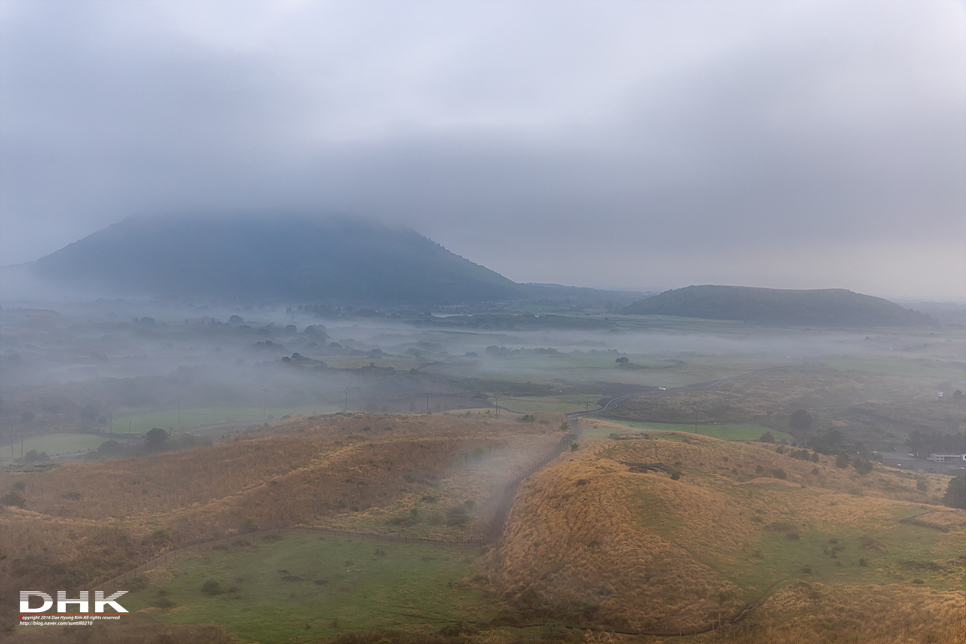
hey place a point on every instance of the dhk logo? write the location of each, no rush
(82, 603)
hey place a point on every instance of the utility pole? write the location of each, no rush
(695, 420)
(21, 446)
(497, 406)
(179, 414)
(427, 404)
(111, 415)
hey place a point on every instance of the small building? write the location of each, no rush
(946, 458)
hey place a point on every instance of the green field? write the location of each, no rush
(849, 555)
(172, 419)
(303, 588)
(549, 404)
(926, 367)
(724, 432)
(54, 444)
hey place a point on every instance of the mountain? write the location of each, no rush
(821, 307)
(282, 258)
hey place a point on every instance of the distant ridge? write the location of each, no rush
(271, 258)
(820, 308)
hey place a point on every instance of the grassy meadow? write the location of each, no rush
(723, 431)
(302, 588)
(55, 444)
(190, 418)
(592, 548)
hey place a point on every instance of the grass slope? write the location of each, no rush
(589, 543)
(437, 476)
(302, 588)
(642, 552)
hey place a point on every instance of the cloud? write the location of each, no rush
(524, 136)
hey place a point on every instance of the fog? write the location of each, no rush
(658, 144)
(86, 367)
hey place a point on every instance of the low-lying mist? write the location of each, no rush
(118, 366)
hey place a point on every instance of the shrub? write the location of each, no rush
(211, 587)
(13, 499)
(457, 629)
(155, 439)
(862, 467)
(554, 632)
(955, 496)
(779, 473)
(456, 516)
(163, 602)
(842, 461)
(33, 457)
(137, 583)
(781, 526)
(160, 537)
(767, 437)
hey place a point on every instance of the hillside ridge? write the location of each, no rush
(817, 307)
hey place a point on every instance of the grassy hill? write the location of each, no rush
(818, 308)
(809, 551)
(824, 549)
(271, 258)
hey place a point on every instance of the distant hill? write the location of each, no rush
(822, 307)
(582, 297)
(272, 258)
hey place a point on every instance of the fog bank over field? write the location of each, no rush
(79, 367)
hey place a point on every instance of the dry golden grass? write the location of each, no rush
(570, 542)
(659, 555)
(587, 539)
(817, 614)
(85, 522)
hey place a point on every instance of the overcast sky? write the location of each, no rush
(607, 144)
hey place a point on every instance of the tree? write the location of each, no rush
(842, 461)
(767, 437)
(14, 499)
(622, 361)
(800, 420)
(155, 439)
(862, 467)
(955, 496)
